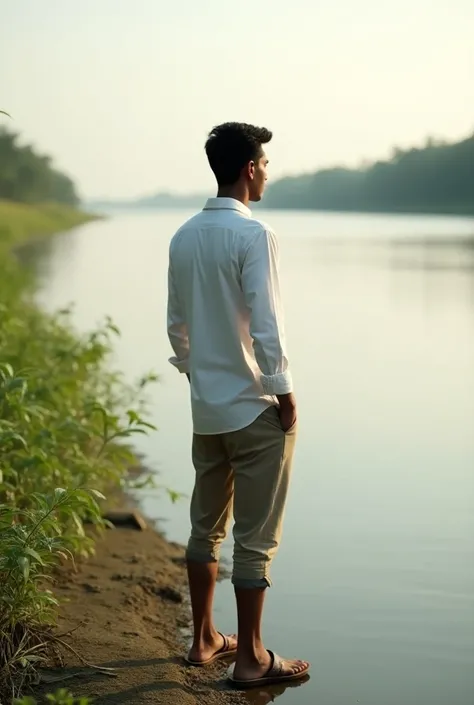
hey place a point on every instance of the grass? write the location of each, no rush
(20, 221)
(66, 422)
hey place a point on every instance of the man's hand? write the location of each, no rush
(287, 411)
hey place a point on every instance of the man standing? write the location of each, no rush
(225, 326)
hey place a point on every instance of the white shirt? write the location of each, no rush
(225, 321)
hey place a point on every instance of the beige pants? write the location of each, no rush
(247, 471)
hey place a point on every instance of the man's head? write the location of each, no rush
(237, 158)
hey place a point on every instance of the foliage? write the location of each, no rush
(32, 541)
(60, 412)
(27, 176)
(437, 178)
(65, 423)
(61, 697)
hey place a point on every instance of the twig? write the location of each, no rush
(102, 669)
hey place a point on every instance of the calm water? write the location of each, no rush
(374, 582)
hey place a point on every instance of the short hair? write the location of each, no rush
(231, 146)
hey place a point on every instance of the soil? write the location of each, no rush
(130, 603)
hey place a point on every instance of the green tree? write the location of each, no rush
(29, 177)
(437, 178)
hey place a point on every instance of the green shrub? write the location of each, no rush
(60, 415)
(32, 541)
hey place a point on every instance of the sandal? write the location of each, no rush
(224, 652)
(275, 674)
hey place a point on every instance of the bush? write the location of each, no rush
(32, 541)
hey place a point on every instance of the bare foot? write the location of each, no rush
(214, 647)
(270, 667)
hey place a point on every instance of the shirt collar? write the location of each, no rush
(228, 204)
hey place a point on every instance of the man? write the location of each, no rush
(225, 326)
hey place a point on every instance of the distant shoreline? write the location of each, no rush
(102, 206)
(436, 179)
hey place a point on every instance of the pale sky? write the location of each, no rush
(123, 93)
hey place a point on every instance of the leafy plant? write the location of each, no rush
(32, 542)
(64, 418)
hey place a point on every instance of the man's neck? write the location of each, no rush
(235, 192)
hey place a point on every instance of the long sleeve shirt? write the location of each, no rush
(225, 317)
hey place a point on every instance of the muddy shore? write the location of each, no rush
(130, 602)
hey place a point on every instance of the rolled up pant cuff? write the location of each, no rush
(251, 583)
(201, 557)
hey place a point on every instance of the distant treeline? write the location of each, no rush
(438, 178)
(158, 200)
(29, 177)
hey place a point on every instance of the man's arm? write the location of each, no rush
(261, 288)
(177, 329)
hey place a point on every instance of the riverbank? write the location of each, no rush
(128, 607)
(20, 222)
(66, 429)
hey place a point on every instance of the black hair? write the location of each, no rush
(231, 146)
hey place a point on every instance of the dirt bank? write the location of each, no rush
(130, 600)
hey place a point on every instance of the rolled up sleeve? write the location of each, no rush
(177, 328)
(261, 288)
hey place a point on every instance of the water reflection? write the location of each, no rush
(433, 255)
(440, 272)
(263, 696)
(425, 255)
(43, 253)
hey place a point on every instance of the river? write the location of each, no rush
(374, 582)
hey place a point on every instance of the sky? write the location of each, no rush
(122, 93)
